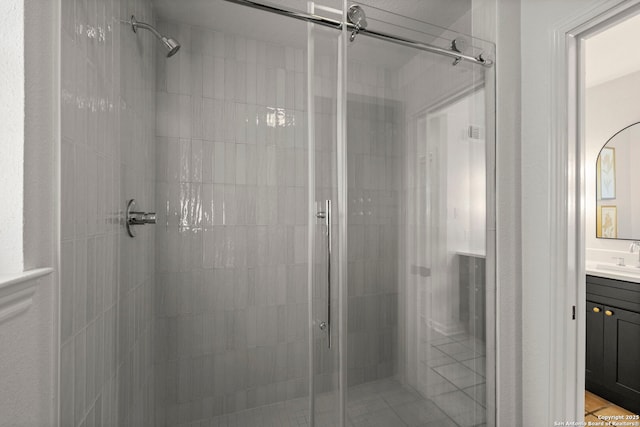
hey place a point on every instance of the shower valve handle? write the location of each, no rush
(135, 217)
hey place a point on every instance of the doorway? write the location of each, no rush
(610, 84)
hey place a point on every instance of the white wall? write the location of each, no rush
(539, 19)
(28, 308)
(11, 148)
(26, 353)
(499, 21)
(610, 106)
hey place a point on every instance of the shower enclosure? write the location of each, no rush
(323, 253)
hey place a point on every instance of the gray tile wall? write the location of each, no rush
(232, 252)
(108, 156)
(231, 197)
(373, 133)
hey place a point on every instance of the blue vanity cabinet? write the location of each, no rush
(613, 341)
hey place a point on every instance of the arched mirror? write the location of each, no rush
(618, 186)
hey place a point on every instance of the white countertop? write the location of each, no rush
(628, 274)
(475, 254)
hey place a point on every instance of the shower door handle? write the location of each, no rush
(326, 215)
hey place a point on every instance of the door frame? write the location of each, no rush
(566, 197)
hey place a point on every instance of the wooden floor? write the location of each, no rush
(595, 405)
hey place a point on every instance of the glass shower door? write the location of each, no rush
(322, 92)
(418, 144)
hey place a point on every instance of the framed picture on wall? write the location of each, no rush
(608, 222)
(607, 172)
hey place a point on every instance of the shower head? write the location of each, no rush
(169, 43)
(172, 45)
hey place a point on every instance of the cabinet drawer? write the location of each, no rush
(616, 293)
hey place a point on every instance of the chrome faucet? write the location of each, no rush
(633, 247)
(619, 260)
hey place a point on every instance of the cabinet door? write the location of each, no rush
(622, 355)
(595, 342)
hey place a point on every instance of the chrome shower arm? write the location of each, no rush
(135, 24)
(169, 43)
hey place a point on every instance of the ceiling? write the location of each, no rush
(613, 53)
(231, 18)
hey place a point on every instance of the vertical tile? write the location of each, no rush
(207, 76)
(241, 164)
(208, 119)
(197, 124)
(184, 115)
(81, 188)
(229, 121)
(80, 282)
(67, 274)
(219, 78)
(163, 108)
(91, 279)
(230, 163)
(99, 356)
(241, 123)
(230, 205)
(197, 157)
(218, 204)
(90, 363)
(188, 77)
(290, 85)
(67, 383)
(79, 377)
(219, 163)
(207, 162)
(229, 79)
(299, 91)
(68, 171)
(172, 74)
(251, 162)
(261, 84)
(251, 124)
(251, 82)
(185, 160)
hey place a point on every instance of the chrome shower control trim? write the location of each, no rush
(135, 217)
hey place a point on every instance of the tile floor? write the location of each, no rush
(594, 405)
(384, 403)
(454, 386)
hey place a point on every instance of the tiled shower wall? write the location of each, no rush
(231, 198)
(374, 147)
(107, 157)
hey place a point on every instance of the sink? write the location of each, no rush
(629, 269)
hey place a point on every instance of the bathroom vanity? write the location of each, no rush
(613, 339)
(472, 269)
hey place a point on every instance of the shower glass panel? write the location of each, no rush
(323, 95)
(417, 144)
(232, 304)
(263, 317)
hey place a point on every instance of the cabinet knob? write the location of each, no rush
(596, 309)
(608, 312)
